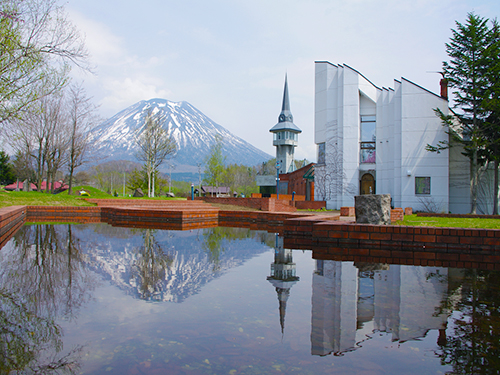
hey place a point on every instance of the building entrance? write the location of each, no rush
(367, 185)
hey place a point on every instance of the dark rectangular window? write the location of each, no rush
(422, 185)
(321, 153)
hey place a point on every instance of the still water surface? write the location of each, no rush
(96, 299)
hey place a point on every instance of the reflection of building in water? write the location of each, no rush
(350, 302)
(282, 276)
(333, 307)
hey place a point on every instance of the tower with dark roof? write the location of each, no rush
(285, 135)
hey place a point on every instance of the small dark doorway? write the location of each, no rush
(367, 185)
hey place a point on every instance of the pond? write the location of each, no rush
(94, 299)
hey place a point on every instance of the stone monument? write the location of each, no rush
(373, 209)
(26, 185)
(138, 193)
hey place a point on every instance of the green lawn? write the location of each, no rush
(414, 220)
(33, 198)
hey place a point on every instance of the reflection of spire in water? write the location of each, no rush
(282, 276)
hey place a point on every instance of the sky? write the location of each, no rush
(228, 58)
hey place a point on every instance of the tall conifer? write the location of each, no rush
(466, 75)
(491, 103)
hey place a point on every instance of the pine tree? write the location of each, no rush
(466, 73)
(6, 170)
(491, 103)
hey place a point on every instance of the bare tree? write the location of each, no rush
(56, 143)
(154, 146)
(41, 136)
(38, 45)
(430, 205)
(28, 137)
(82, 117)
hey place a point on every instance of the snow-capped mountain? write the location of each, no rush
(193, 132)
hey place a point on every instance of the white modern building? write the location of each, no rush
(372, 140)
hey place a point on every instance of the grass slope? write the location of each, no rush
(34, 198)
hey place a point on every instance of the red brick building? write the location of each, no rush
(300, 181)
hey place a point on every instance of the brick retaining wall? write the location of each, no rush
(147, 217)
(288, 197)
(397, 214)
(11, 219)
(82, 214)
(347, 211)
(264, 204)
(447, 247)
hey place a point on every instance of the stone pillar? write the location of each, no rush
(373, 209)
(26, 185)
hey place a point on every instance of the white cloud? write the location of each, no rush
(105, 48)
(231, 62)
(123, 93)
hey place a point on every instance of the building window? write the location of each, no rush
(367, 141)
(422, 185)
(321, 153)
(367, 152)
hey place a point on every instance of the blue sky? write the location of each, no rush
(228, 58)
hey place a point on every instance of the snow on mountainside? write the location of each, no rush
(193, 132)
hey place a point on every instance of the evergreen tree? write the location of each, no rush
(491, 103)
(6, 171)
(466, 73)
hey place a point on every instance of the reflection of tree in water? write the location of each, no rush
(24, 336)
(473, 342)
(42, 278)
(215, 240)
(150, 267)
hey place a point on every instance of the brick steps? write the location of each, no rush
(264, 204)
(64, 214)
(258, 220)
(325, 235)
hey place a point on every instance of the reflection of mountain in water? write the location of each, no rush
(164, 265)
